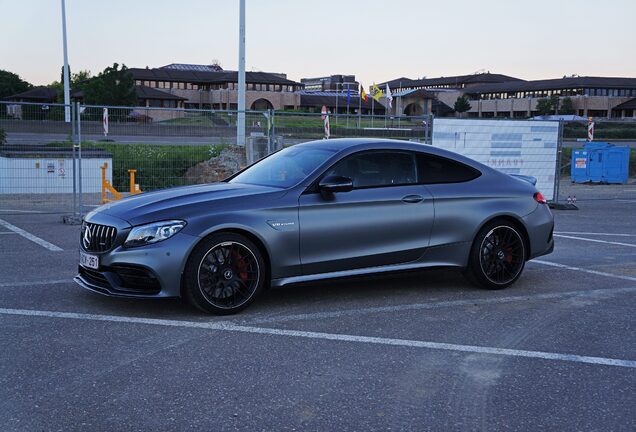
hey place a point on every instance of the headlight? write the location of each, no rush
(153, 232)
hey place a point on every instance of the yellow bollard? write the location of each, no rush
(107, 187)
(134, 187)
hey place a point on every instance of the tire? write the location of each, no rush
(224, 274)
(497, 256)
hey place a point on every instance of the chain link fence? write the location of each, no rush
(104, 153)
(50, 165)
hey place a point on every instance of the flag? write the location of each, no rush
(363, 95)
(388, 96)
(376, 93)
(348, 96)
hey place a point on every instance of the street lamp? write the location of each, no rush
(67, 90)
(240, 124)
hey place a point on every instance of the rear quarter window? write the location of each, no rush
(436, 169)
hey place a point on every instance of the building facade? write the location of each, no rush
(495, 95)
(207, 89)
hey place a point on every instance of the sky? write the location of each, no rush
(372, 39)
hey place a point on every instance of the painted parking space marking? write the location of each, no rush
(435, 305)
(27, 235)
(229, 327)
(595, 233)
(583, 270)
(34, 283)
(20, 211)
(595, 240)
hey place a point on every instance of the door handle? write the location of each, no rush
(412, 199)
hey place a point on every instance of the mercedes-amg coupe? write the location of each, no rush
(319, 210)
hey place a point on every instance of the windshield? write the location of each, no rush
(285, 168)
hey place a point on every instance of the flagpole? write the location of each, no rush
(372, 109)
(359, 107)
(348, 99)
(336, 113)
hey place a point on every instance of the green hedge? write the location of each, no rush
(602, 131)
(158, 166)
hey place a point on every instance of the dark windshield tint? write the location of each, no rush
(285, 168)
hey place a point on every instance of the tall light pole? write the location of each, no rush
(67, 90)
(240, 124)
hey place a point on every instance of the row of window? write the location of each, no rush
(224, 86)
(380, 168)
(559, 92)
(163, 103)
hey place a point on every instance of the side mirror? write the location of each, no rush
(334, 183)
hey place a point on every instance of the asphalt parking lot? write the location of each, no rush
(417, 351)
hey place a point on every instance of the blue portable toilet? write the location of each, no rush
(600, 162)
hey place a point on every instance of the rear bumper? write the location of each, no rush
(540, 226)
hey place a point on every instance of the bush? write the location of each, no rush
(158, 166)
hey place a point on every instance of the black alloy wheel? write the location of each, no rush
(498, 256)
(224, 274)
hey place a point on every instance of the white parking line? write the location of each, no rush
(595, 240)
(594, 233)
(579, 269)
(29, 236)
(228, 327)
(434, 305)
(34, 283)
(20, 211)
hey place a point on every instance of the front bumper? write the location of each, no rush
(152, 271)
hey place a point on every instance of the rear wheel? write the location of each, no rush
(497, 257)
(224, 274)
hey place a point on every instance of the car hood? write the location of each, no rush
(181, 202)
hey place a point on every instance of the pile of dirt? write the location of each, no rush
(230, 160)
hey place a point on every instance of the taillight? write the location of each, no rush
(538, 197)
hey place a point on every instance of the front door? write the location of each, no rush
(386, 219)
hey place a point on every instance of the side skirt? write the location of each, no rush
(453, 255)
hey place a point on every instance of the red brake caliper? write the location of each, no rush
(241, 266)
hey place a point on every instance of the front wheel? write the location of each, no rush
(224, 274)
(497, 256)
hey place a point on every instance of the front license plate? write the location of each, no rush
(90, 261)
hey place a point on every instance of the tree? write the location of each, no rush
(462, 104)
(11, 84)
(113, 86)
(78, 82)
(554, 101)
(544, 106)
(567, 107)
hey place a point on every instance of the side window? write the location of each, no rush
(377, 168)
(435, 169)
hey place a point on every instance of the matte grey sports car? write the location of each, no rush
(318, 210)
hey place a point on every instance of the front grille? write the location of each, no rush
(120, 279)
(97, 238)
(137, 279)
(94, 277)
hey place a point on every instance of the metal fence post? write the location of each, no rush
(79, 155)
(273, 132)
(73, 145)
(557, 173)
